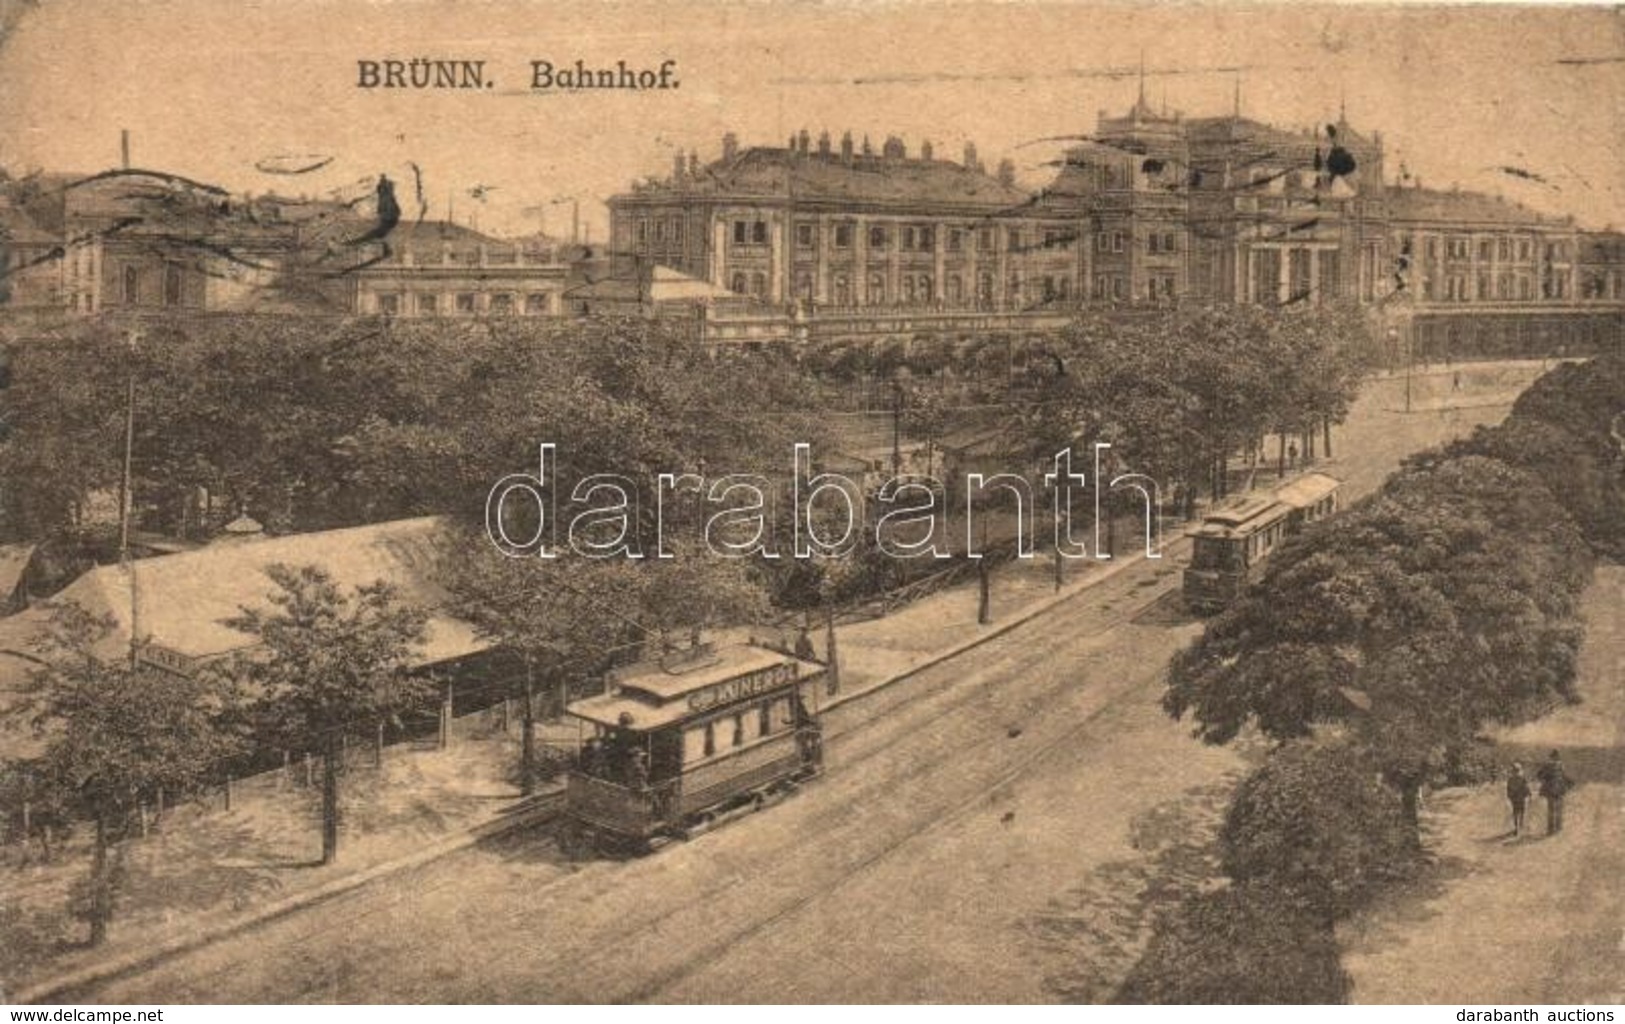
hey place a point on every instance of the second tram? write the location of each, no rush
(1234, 540)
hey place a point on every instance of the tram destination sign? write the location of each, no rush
(741, 687)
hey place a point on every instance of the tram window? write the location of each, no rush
(739, 730)
(693, 745)
(1214, 553)
(710, 738)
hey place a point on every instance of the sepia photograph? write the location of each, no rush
(806, 502)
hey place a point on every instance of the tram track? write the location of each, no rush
(897, 844)
(951, 690)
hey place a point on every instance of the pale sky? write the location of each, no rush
(207, 88)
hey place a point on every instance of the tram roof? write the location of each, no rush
(1307, 489)
(1239, 513)
(656, 696)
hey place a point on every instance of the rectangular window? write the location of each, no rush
(1168, 244)
(660, 231)
(956, 239)
(677, 231)
(132, 285)
(502, 303)
(843, 236)
(764, 719)
(389, 305)
(758, 232)
(986, 240)
(1014, 239)
(465, 302)
(1154, 243)
(172, 285)
(741, 232)
(710, 739)
(928, 239)
(1119, 288)
(643, 231)
(806, 236)
(1485, 249)
(1117, 241)
(877, 237)
(536, 304)
(428, 305)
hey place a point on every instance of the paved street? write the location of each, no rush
(997, 827)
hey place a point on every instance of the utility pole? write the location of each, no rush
(126, 497)
(896, 427)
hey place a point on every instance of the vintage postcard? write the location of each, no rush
(546, 501)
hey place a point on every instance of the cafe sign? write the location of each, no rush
(165, 659)
(742, 687)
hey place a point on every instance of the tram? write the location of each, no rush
(1233, 540)
(679, 744)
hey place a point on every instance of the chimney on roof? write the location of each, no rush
(893, 149)
(925, 150)
(693, 164)
(802, 141)
(971, 163)
(846, 147)
(1007, 171)
(678, 166)
(823, 143)
(868, 150)
(730, 146)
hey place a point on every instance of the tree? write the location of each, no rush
(1317, 822)
(558, 617)
(328, 661)
(1447, 601)
(115, 733)
(1244, 943)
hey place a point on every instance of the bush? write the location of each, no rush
(1317, 821)
(1244, 944)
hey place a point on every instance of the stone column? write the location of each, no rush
(777, 265)
(1284, 274)
(971, 261)
(719, 242)
(860, 262)
(894, 259)
(939, 245)
(821, 272)
(1001, 246)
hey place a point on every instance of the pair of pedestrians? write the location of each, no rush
(1554, 784)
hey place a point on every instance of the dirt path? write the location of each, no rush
(1531, 920)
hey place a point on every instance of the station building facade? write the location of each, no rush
(1152, 207)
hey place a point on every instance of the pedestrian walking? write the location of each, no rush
(1517, 796)
(1292, 455)
(1554, 785)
